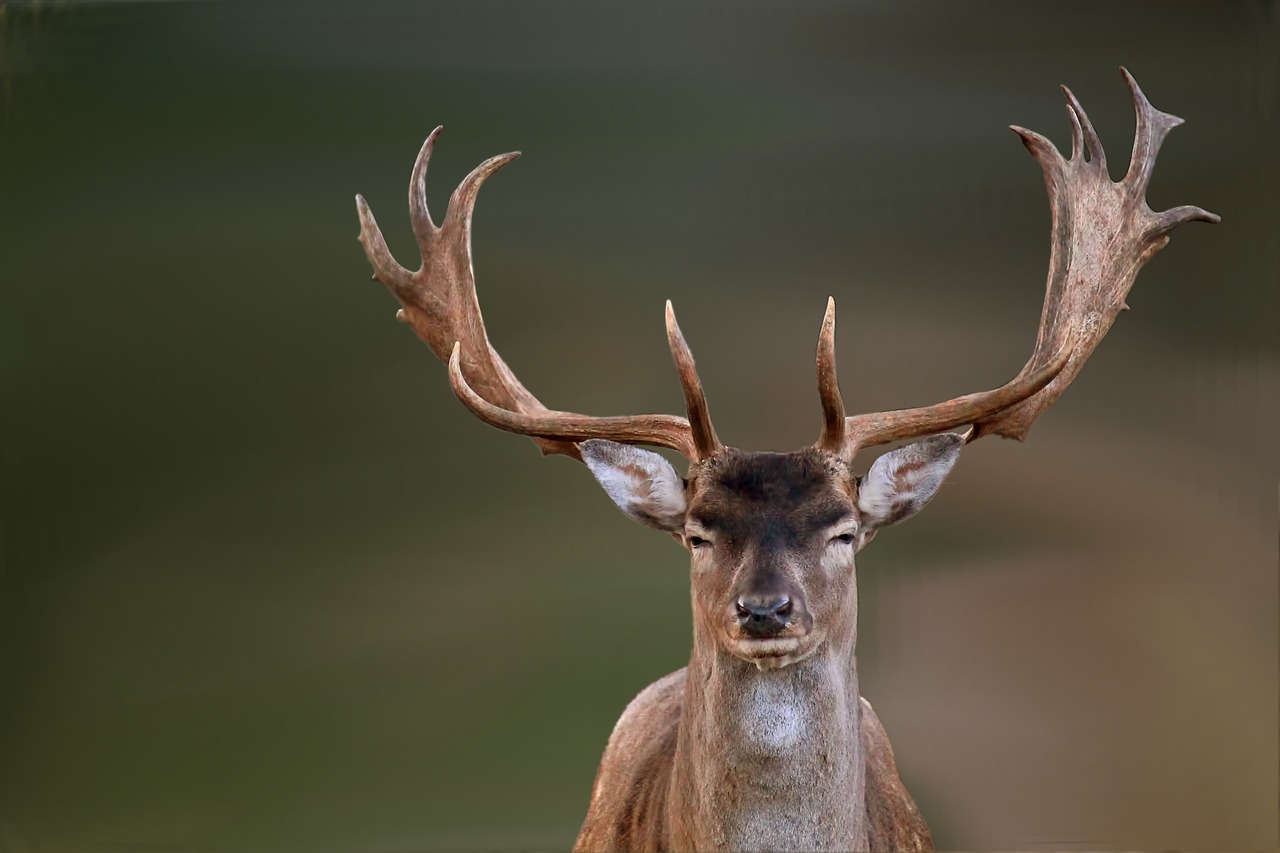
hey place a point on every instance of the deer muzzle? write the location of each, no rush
(763, 616)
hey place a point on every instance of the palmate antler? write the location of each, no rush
(1103, 232)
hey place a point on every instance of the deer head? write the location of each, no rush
(772, 536)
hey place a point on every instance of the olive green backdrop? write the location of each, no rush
(267, 587)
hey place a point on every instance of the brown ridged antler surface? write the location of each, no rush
(439, 302)
(1103, 232)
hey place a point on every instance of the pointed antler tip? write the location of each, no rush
(1142, 103)
(487, 168)
(1199, 214)
(829, 317)
(368, 223)
(705, 441)
(428, 145)
(462, 202)
(1075, 104)
(675, 338)
(833, 417)
(462, 389)
(1042, 150)
(1169, 219)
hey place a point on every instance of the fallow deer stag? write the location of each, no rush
(763, 742)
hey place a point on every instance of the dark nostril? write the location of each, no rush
(764, 616)
(757, 609)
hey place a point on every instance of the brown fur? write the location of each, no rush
(740, 751)
(628, 801)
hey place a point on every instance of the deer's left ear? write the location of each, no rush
(901, 482)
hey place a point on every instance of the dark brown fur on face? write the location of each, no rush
(770, 516)
(786, 495)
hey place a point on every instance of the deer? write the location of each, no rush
(764, 741)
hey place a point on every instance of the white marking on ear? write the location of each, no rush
(901, 482)
(640, 482)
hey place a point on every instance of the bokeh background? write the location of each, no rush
(267, 587)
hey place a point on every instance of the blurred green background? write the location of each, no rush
(267, 587)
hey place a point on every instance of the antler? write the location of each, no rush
(1103, 233)
(439, 302)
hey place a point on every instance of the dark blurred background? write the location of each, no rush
(267, 587)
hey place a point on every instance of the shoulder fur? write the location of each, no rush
(628, 799)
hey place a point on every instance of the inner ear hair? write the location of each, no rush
(901, 482)
(641, 483)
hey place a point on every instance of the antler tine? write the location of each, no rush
(833, 419)
(385, 268)
(1152, 126)
(705, 440)
(419, 216)
(439, 302)
(1092, 144)
(1103, 232)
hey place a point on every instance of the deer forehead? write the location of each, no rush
(746, 495)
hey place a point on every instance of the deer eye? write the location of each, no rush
(844, 538)
(698, 542)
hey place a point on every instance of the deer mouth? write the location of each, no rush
(772, 652)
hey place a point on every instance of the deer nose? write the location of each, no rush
(763, 615)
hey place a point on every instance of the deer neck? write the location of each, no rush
(769, 759)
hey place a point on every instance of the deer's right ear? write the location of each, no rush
(640, 482)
